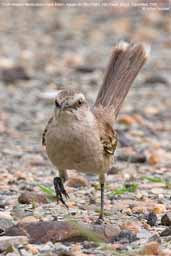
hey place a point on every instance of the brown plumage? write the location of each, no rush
(83, 138)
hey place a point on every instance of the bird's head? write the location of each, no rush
(69, 102)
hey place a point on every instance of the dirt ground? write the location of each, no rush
(45, 48)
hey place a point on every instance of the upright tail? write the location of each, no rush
(125, 63)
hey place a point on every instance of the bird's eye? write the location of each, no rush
(57, 104)
(80, 102)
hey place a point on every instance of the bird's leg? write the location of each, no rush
(59, 188)
(101, 216)
(63, 175)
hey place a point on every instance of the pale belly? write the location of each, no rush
(77, 148)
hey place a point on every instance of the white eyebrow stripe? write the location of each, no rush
(78, 96)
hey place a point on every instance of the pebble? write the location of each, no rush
(144, 234)
(77, 181)
(151, 218)
(32, 197)
(159, 208)
(127, 120)
(131, 226)
(8, 241)
(6, 221)
(12, 74)
(111, 231)
(166, 232)
(125, 236)
(32, 249)
(166, 219)
(153, 159)
(151, 248)
(155, 237)
(85, 69)
(157, 79)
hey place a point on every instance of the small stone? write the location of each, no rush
(153, 159)
(125, 236)
(85, 69)
(8, 241)
(111, 231)
(32, 197)
(131, 226)
(166, 219)
(157, 79)
(151, 218)
(159, 208)
(92, 199)
(156, 238)
(6, 221)
(32, 249)
(138, 209)
(127, 120)
(77, 181)
(72, 60)
(14, 73)
(89, 244)
(113, 170)
(144, 234)
(64, 253)
(166, 232)
(151, 248)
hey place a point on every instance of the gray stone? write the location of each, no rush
(8, 241)
(6, 221)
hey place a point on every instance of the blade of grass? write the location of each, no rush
(125, 189)
(87, 232)
(48, 190)
(154, 179)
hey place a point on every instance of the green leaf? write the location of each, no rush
(125, 189)
(154, 179)
(131, 187)
(119, 191)
(48, 190)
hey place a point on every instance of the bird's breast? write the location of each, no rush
(75, 146)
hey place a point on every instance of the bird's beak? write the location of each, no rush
(64, 106)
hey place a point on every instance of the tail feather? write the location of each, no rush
(126, 62)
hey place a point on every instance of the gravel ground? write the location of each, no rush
(44, 49)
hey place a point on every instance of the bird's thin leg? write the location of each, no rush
(60, 190)
(101, 216)
(63, 175)
(102, 180)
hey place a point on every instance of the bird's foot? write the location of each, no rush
(100, 220)
(60, 191)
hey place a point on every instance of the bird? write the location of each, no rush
(81, 136)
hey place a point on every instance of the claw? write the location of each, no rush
(100, 220)
(60, 190)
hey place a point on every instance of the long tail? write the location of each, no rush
(126, 62)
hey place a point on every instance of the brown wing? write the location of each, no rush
(45, 131)
(109, 140)
(108, 135)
